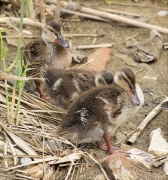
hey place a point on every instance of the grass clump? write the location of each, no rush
(13, 109)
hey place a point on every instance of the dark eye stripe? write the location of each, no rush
(130, 85)
(51, 30)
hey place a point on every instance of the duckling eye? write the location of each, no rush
(51, 30)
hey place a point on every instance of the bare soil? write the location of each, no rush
(154, 90)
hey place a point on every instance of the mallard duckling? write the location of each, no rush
(52, 52)
(100, 111)
(64, 86)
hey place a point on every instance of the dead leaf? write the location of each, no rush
(97, 60)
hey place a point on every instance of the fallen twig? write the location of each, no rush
(118, 12)
(143, 124)
(26, 21)
(83, 35)
(93, 46)
(13, 77)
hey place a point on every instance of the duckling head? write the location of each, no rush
(103, 77)
(52, 33)
(125, 78)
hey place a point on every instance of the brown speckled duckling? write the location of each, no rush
(100, 111)
(52, 52)
(64, 86)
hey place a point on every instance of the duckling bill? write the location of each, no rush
(64, 86)
(100, 111)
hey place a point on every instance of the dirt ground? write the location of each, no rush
(154, 90)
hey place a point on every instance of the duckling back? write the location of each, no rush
(64, 86)
(95, 112)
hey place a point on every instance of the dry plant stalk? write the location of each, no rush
(143, 124)
(13, 77)
(42, 15)
(26, 21)
(118, 12)
(93, 46)
(57, 11)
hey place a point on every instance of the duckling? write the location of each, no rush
(100, 111)
(64, 86)
(52, 52)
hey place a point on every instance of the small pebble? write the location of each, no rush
(162, 13)
(25, 160)
(158, 144)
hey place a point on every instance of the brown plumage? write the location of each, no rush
(51, 52)
(100, 111)
(64, 86)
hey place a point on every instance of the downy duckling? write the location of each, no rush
(52, 52)
(64, 86)
(100, 111)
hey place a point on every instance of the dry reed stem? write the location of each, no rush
(42, 15)
(15, 158)
(26, 21)
(5, 152)
(69, 171)
(93, 46)
(57, 11)
(117, 12)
